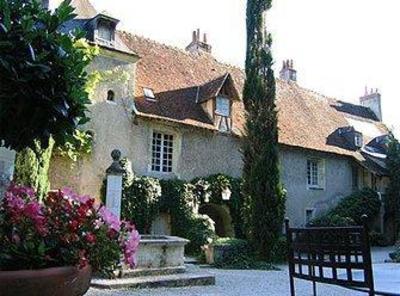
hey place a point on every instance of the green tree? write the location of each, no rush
(263, 190)
(393, 191)
(42, 84)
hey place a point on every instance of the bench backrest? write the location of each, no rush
(332, 255)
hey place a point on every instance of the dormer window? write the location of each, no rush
(358, 140)
(105, 31)
(223, 107)
(149, 94)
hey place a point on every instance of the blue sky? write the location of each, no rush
(338, 46)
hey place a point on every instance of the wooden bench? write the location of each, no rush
(331, 255)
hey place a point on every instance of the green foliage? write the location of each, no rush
(141, 201)
(350, 210)
(265, 196)
(332, 220)
(231, 253)
(392, 201)
(211, 187)
(378, 239)
(42, 75)
(77, 145)
(178, 199)
(279, 253)
(32, 167)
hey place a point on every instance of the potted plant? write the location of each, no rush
(51, 248)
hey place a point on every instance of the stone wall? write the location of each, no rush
(338, 176)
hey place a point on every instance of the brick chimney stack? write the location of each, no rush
(372, 100)
(288, 73)
(197, 45)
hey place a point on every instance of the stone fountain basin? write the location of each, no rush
(161, 251)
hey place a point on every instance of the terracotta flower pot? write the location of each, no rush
(58, 281)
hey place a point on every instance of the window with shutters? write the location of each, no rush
(315, 174)
(162, 152)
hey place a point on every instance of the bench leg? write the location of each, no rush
(292, 291)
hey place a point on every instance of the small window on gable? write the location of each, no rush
(110, 96)
(315, 174)
(223, 107)
(148, 93)
(358, 140)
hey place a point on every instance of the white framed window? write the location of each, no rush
(315, 174)
(309, 215)
(223, 107)
(162, 150)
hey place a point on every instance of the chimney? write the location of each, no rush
(288, 73)
(372, 100)
(198, 45)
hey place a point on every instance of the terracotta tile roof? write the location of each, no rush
(306, 118)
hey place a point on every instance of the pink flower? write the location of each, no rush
(110, 219)
(67, 192)
(130, 248)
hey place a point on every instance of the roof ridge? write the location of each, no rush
(179, 49)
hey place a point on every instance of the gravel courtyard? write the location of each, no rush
(237, 283)
(270, 283)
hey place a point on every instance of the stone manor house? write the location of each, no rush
(178, 113)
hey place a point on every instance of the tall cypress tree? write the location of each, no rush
(264, 192)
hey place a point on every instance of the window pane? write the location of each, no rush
(313, 172)
(162, 152)
(105, 32)
(223, 106)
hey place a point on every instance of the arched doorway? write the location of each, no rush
(221, 216)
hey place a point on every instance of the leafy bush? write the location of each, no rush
(210, 188)
(65, 230)
(231, 253)
(279, 253)
(42, 75)
(350, 210)
(178, 199)
(378, 239)
(332, 220)
(141, 201)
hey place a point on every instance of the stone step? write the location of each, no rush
(191, 260)
(197, 278)
(153, 271)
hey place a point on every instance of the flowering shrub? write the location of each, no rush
(66, 229)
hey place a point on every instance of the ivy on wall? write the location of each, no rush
(143, 198)
(78, 145)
